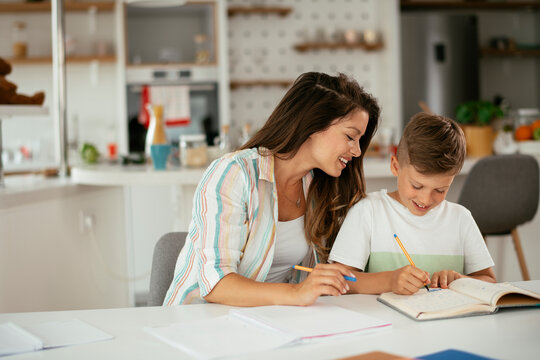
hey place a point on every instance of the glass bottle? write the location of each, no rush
(156, 129)
(224, 140)
(20, 45)
(202, 52)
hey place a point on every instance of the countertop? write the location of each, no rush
(27, 188)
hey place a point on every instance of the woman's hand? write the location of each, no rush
(325, 279)
(443, 278)
(408, 279)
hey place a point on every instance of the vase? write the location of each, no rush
(156, 129)
(479, 140)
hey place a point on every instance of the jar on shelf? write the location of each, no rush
(193, 150)
(524, 123)
(202, 50)
(19, 40)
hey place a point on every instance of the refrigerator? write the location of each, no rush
(439, 61)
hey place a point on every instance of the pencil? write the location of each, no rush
(303, 268)
(407, 255)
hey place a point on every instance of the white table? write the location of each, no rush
(508, 334)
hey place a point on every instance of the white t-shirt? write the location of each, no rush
(291, 249)
(446, 238)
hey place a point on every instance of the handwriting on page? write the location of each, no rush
(435, 300)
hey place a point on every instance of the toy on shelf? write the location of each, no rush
(8, 90)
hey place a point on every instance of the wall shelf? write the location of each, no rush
(469, 5)
(235, 84)
(261, 10)
(488, 52)
(69, 59)
(46, 6)
(303, 47)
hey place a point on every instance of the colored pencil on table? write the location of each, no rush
(407, 255)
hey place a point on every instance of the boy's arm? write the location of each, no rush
(443, 278)
(485, 275)
(405, 281)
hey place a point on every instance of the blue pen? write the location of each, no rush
(303, 268)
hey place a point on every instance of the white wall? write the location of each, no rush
(261, 47)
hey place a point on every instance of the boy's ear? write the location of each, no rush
(394, 165)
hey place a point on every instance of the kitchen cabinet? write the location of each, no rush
(92, 44)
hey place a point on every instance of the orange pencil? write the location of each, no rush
(407, 255)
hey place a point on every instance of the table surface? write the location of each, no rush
(507, 334)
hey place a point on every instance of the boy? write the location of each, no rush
(441, 237)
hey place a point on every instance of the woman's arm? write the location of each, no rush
(237, 290)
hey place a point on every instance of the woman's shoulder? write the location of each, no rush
(246, 161)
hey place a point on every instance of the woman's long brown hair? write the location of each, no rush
(312, 104)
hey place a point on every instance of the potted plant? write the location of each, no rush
(475, 118)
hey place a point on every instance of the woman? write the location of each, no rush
(280, 201)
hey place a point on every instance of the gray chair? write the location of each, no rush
(163, 262)
(502, 193)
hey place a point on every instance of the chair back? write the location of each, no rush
(501, 192)
(163, 263)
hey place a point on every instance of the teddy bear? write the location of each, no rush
(8, 90)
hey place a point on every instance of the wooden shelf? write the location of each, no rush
(250, 83)
(22, 110)
(45, 6)
(488, 52)
(69, 59)
(261, 10)
(469, 5)
(337, 46)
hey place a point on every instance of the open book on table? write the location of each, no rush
(464, 297)
(15, 339)
(262, 328)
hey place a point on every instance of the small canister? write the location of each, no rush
(193, 150)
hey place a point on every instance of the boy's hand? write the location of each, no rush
(443, 278)
(408, 280)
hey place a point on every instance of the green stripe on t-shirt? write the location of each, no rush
(388, 261)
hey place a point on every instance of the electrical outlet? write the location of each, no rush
(86, 221)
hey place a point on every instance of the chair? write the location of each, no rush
(163, 262)
(502, 193)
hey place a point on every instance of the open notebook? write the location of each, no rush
(15, 339)
(255, 329)
(464, 297)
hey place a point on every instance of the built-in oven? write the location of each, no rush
(193, 88)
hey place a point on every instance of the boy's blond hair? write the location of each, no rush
(433, 144)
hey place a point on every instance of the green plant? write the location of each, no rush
(477, 112)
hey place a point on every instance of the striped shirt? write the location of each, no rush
(233, 226)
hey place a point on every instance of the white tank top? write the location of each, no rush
(290, 249)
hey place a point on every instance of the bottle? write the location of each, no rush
(224, 140)
(156, 129)
(245, 134)
(20, 46)
(202, 52)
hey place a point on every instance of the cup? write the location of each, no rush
(160, 155)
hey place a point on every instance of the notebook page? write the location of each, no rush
(424, 301)
(485, 291)
(308, 322)
(65, 333)
(222, 336)
(14, 339)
